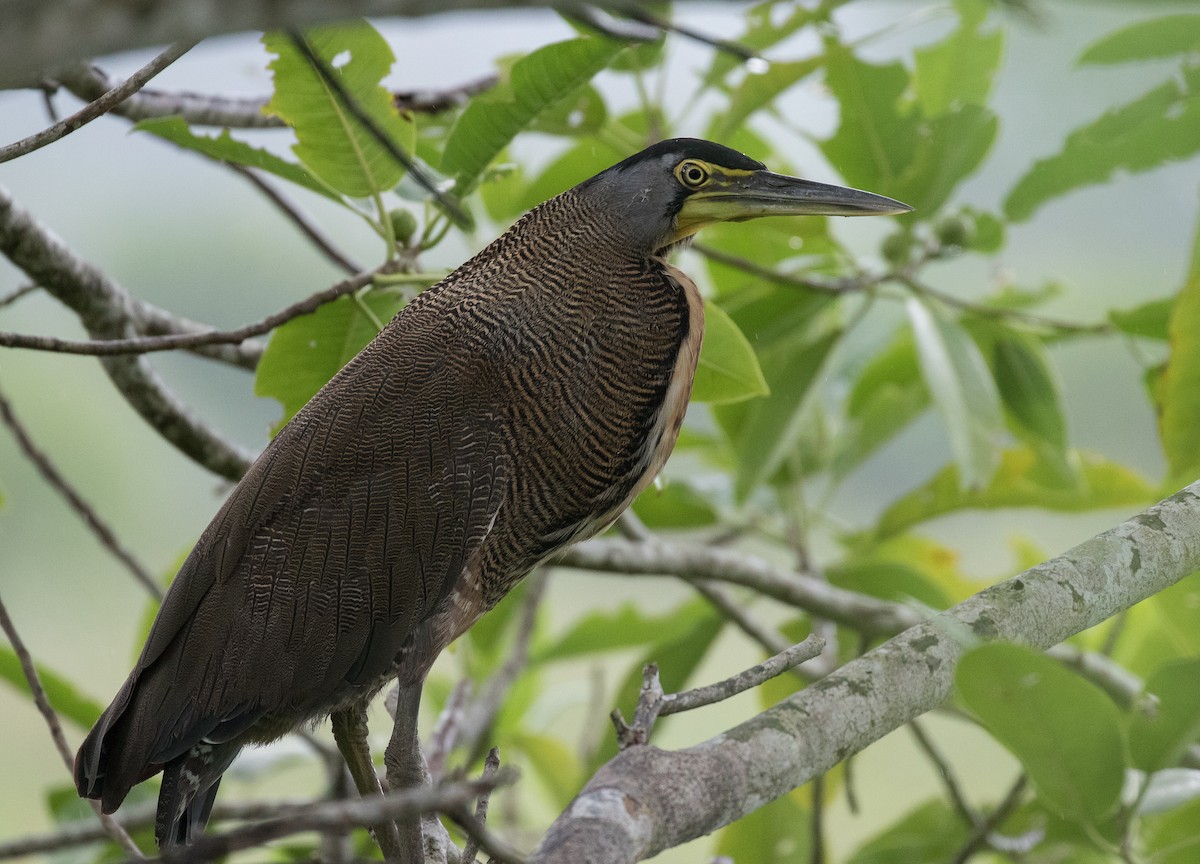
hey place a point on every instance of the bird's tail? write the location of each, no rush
(189, 787)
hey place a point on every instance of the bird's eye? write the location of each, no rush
(692, 174)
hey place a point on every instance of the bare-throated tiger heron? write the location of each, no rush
(518, 405)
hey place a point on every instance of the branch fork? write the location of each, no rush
(654, 703)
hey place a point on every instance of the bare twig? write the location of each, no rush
(984, 828)
(481, 712)
(866, 615)
(172, 342)
(816, 822)
(88, 82)
(821, 284)
(490, 766)
(724, 45)
(51, 717)
(653, 703)
(16, 294)
(449, 204)
(445, 731)
(85, 512)
(497, 851)
(339, 815)
(297, 218)
(946, 772)
(97, 108)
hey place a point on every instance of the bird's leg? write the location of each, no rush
(405, 765)
(350, 733)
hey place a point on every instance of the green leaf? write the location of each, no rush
(225, 148)
(306, 352)
(951, 146)
(931, 833)
(888, 395)
(1171, 837)
(624, 627)
(962, 389)
(331, 143)
(759, 91)
(1064, 730)
(764, 432)
(728, 369)
(1161, 731)
(677, 505)
(1146, 40)
(1029, 388)
(1179, 387)
(1161, 126)
(584, 113)
(875, 142)
(1150, 320)
(777, 832)
(551, 761)
(538, 83)
(763, 31)
(1018, 483)
(960, 69)
(64, 696)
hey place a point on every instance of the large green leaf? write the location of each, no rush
(1161, 126)
(876, 140)
(1150, 320)
(962, 389)
(1171, 837)
(1029, 388)
(1065, 730)
(1179, 387)
(888, 395)
(331, 142)
(777, 833)
(675, 506)
(765, 431)
(960, 69)
(225, 148)
(537, 83)
(1147, 40)
(306, 352)
(64, 696)
(727, 370)
(931, 833)
(951, 146)
(1161, 731)
(1018, 483)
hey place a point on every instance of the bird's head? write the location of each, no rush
(669, 191)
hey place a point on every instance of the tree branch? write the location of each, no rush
(88, 82)
(691, 563)
(645, 799)
(98, 108)
(51, 717)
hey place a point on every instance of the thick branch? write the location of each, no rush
(104, 308)
(243, 112)
(692, 563)
(646, 800)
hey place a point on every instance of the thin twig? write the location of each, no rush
(497, 851)
(481, 712)
(51, 717)
(97, 108)
(85, 512)
(946, 772)
(724, 45)
(297, 218)
(986, 826)
(653, 703)
(198, 109)
(817, 822)
(17, 293)
(372, 127)
(174, 341)
(445, 731)
(339, 815)
(490, 766)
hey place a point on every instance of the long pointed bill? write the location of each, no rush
(735, 197)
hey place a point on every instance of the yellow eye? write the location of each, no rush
(693, 174)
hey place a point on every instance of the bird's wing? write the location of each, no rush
(342, 538)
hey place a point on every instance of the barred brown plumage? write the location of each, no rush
(516, 406)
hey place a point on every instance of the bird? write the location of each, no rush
(515, 407)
